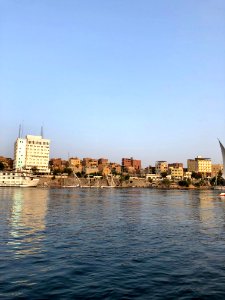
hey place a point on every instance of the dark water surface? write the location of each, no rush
(111, 244)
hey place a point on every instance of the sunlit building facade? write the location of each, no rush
(200, 165)
(161, 166)
(32, 153)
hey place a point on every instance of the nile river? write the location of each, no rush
(111, 244)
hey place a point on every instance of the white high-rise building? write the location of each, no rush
(20, 154)
(32, 152)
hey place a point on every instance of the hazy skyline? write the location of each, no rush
(114, 78)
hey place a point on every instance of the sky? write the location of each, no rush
(116, 78)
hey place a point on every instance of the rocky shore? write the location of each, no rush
(53, 182)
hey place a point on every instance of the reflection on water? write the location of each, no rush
(207, 211)
(111, 244)
(27, 221)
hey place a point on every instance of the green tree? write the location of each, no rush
(67, 170)
(218, 180)
(166, 182)
(124, 177)
(56, 172)
(183, 183)
(196, 175)
(127, 177)
(114, 172)
(164, 174)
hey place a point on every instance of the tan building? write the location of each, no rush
(103, 161)
(89, 162)
(200, 165)
(131, 165)
(56, 164)
(176, 173)
(153, 177)
(75, 164)
(191, 165)
(161, 166)
(176, 165)
(90, 170)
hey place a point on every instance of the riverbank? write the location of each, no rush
(96, 182)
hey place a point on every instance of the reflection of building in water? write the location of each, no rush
(28, 219)
(207, 209)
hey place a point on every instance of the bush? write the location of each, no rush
(183, 183)
(69, 171)
(166, 182)
(56, 172)
(196, 175)
(127, 177)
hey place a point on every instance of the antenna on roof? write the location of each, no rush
(42, 132)
(22, 129)
(19, 136)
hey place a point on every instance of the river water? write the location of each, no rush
(111, 244)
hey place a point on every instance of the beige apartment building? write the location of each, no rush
(200, 165)
(161, 166)
(176, 173)
(75, 164)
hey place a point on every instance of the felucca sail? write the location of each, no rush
(223, 155)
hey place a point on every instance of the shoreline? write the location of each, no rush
(103, 184)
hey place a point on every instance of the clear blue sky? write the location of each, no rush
(116, 78)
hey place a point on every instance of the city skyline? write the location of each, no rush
(116, 79)
(36, 139)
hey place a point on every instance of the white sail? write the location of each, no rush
(223, 155)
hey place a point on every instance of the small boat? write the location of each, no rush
(110, 181)
(219, 187)
(107, 186)
(71, 186)
(222, 194)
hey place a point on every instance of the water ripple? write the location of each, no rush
(111, 244)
